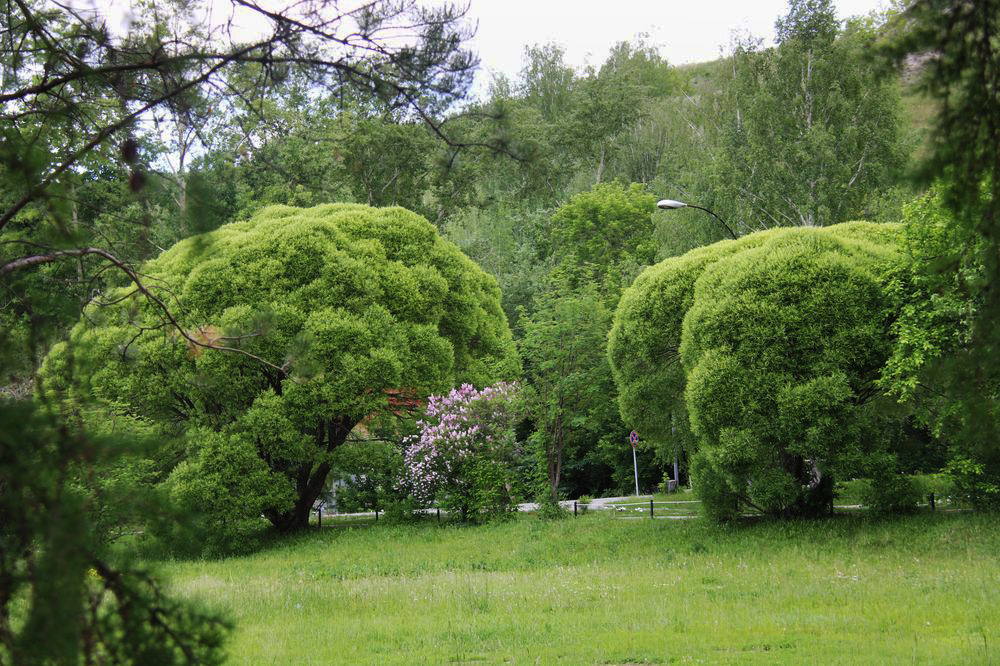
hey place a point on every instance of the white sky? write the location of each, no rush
(686, 31)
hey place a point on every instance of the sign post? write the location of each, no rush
(633, 438)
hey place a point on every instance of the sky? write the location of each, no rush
(685, 31)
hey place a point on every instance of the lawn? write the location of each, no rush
(596, 590)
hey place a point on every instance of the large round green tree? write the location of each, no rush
(771, 345)
(294, 327)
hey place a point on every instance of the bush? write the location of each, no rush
(972, 484)
(401, 510)
(771, 345)
(223, 488)
(465, 455)
(549, 509)
(942, 485)
(368, 474)
(665, 485)
(889, 491)
(719, 501)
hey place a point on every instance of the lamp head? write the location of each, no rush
(670, 204)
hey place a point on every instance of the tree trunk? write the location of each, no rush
(816, 488)
(554, 455)
(310, 482)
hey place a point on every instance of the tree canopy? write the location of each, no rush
(811, 132)
(296, 325)
(774, 343)
(947, 363)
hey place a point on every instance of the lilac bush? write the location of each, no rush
(464, 456)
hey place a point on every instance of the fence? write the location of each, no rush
(676, 509)
(667, 508)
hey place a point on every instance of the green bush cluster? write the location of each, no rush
(366, 472)
(771, 346)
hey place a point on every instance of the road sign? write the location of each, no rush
(633, 437)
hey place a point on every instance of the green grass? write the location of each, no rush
(594, 590)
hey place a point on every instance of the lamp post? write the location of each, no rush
(670, 204)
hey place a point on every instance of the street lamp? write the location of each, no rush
(670, 204)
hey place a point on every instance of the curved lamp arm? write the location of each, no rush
(670, 204)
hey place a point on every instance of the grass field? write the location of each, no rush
(595, 590)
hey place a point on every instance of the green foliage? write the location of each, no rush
(643, 66)
(935, 339)
(773, 342)
(609, 229)
(719, 501)
(550, 509)
(366, 474)
(65, 596)
(504, 242)
(224, 487)
(946, 364)
(599, 240)
(569, 380)
(811, 130)
(936, 316)
(973, 483)
(323, 311)
(888, 491)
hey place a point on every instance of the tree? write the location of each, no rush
(75, 95)
(567, 374)
(642, 64)
(613, 100)
(80, 104)
(322, 313)
(935, 337)
(153, 68)
(608, 230)
(547, 82)
(774, 343)
(465, 455)
(65, 595)
(812, 132)
(598, 241)
(955, 310)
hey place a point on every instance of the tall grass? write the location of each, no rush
(924, 589)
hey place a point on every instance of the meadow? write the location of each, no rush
(601, 590)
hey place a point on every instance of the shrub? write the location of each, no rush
(719, 502)
(771, 344)
(889, 491)
(367, 475)
(549, 509)
(464, 457)
(972, 484)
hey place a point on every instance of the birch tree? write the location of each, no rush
(812, 132)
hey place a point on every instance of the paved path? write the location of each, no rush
(598, 503)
